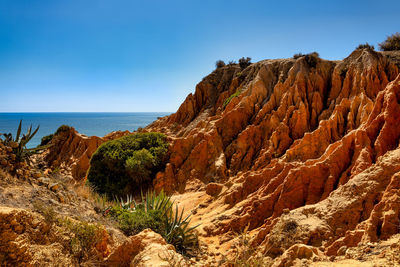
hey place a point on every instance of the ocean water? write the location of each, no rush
(88, 123)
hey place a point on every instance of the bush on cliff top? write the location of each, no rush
(311, 58)
(244, 62)
(391, 43)
(366, 45)
(62, 128)
(128, 163)
(219, 64)
(46, 139)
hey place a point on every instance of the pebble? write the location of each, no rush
(43, 181)
(54, 187)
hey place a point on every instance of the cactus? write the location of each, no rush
(19, 143)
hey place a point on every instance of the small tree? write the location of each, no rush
(122, 165)
(391, 43)
(244, 62)
(219, 64)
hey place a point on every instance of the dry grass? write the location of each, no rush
(49, 214)
(100, 202)
(246, 254)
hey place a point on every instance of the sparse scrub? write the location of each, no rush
(312, 59)
(283, 235)
(84, 237)
(298, 55)
(62, 128)
(49, 214)
(228, 100)
(392, 43)
(246, 254)
(366, 46)
(219, 64)
(126, 164)
(244, 62)
(46, 139)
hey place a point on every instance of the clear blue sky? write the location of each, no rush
(128, 55)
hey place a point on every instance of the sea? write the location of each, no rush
(88, 123)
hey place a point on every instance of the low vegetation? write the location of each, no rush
(18, 144)
(229, 99)
(298, 55)
(155, 212)
(46, 139)
(219, 64)
(245, 254)
(366, 46)
(392, 43)
(311, 58)
(62, 128)
(127, 164)
(244, 62)
(83, 236)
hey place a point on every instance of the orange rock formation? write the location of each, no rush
(318, 145)
(73, 150)
(321, 142)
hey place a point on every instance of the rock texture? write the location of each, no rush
(72, 150)
(145, 249)
(320, 142)
(306, 155)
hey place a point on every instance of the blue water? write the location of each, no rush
(96, 123)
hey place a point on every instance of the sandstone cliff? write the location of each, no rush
(283, 144)
(72, 151)
(318, 144)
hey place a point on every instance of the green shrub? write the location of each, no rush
(219, 64)
(155, 212)
(84, 236)
(132, 223)
(228, 100)
(244, 62)
(391, 43)
(128, 163)
(366, 45)
(46, 139)
(62, 128)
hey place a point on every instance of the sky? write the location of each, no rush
(134, 56)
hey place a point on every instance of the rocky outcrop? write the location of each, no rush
(145, 249)
(319, 141)
(72, 150)
(27, 240)
(283, 141)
